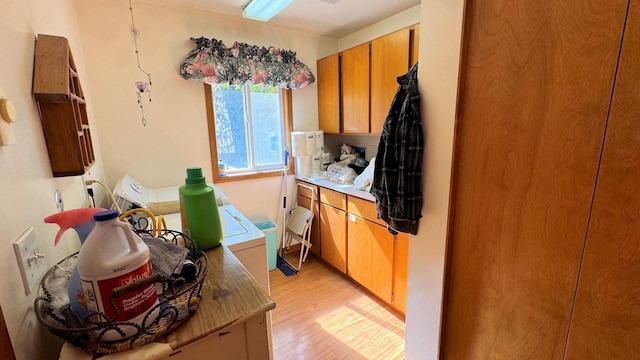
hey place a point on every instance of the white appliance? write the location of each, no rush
(130, 193)
(243, 238)
(240, 235)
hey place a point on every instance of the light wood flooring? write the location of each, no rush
(320, 314)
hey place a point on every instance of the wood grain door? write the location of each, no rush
(389, 59)
(354, 77)
(333, 236)
(329, 94)
(370, 254)
(606, 319)
(536, 79)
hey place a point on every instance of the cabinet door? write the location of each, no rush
(389, 59)
(606, 318)
(229, 344)
(355, 90)
(370, 254)
(415, 45)
(400, 269)
(333, 236)
(531, 116)
(329, 94)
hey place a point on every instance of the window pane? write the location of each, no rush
(267, 125)
(231, 129)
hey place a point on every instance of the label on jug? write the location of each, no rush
(97, 292)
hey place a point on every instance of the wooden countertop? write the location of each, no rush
(229, 295)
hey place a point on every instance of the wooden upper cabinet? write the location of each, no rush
(355, 90)
(415, 45)
(63, 110)
(329, 94)
(356, 86)
(389, 59)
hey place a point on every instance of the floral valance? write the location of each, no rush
(214, 63)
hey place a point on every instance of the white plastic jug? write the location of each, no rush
(113, 256)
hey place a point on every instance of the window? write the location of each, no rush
(248, 127)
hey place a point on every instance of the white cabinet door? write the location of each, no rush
(244, 341)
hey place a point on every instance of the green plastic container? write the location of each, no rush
(269, 228)
(199, 210)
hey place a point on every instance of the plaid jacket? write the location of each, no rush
(397, 178)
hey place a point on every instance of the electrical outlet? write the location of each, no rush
(29, 259)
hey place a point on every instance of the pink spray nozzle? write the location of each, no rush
(71, 218)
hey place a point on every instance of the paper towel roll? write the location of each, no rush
(325, 158)
(298, 143)
(319, 142)
(303, 166)
(316, 164)
(310, 138)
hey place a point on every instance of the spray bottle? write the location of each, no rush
(81, 220)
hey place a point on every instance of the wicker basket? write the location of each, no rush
(177, 302)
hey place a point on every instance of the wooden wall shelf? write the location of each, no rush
(63, 109)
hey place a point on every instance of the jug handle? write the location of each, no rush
(131, 236)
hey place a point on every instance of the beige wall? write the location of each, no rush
(440, 34)
(396, 22)
(176, 133)
(25, 173)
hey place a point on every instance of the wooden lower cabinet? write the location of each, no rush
(400, 269)
(356, 242)
(370, 254)
(333, 236)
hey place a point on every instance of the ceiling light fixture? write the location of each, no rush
(264, 10)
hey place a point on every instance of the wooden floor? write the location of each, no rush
(320, 314)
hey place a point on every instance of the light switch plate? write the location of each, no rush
(31, 265)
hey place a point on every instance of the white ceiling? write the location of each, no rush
(332, 18)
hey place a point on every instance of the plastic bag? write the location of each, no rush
(341, 173)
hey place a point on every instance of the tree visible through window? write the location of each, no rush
(249, 127)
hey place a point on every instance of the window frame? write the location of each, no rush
(287, 115)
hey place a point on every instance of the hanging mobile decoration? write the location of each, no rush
(142, 87)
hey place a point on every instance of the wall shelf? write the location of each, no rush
(62, 107)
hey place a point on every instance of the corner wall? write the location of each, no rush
(440, 40)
